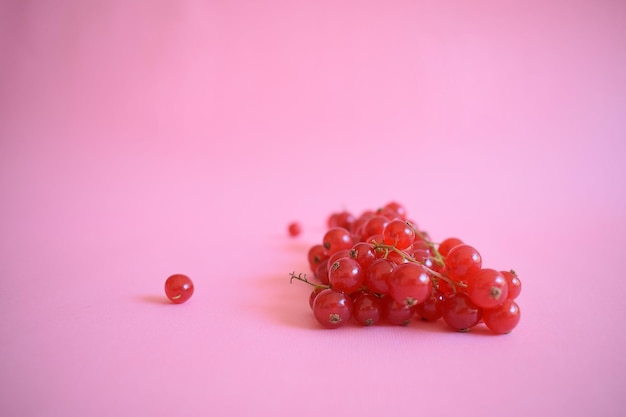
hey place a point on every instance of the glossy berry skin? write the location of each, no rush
(514, 284)
(367, 309)
(332, 308)
(487, 288)
(398, 233)
(317, 254)
(321, 273)
(458, 311)
(346, 275)
(343, 219)
(430, 310)
(178, 288)
(373, 226)
(410, 284)
(447, 244)
(336, 239)
(377, 275)
(294, 229)
(364, 253)
(502, 319)
(395, 313)
(397, 209)
(463, 260)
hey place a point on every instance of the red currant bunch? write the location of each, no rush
(380, 267)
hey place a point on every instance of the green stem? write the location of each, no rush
(302, 277)
(409, 258)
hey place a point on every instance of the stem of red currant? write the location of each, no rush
(436, 254)
(409, 258)
(302, 277)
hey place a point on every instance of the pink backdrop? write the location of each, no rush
(143, 138)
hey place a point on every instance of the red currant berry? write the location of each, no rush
(346, 275)
(514, 284)
(398, 233)
(336, 239)
(294, 229)
(463, 260)
(373, 226)
(321, 273)
(364, 253)
(178, 288)
(502, 319)
(487, 288)
(367, 309)
(332, 308)
(377, 276)
(396, 313)
(458, 311)
(317, 255)
(447, 244)
(343, 219)
(410, 284)
(430, 310)
(398, 210)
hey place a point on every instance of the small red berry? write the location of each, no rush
(178, 288)
(294, 229)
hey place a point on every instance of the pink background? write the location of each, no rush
(143, 138)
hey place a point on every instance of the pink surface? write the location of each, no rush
(140, 138)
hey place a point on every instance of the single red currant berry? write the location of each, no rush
(430, 310)
(336, 239)
(377, 275)
(364, 253)
(398, 233)
(178, 288)
(502, 319)
(332, 308)
(398, 210)
(317, 255)
(346, 275)
(514, 284)
(294, 229)
(410, 284)
(458, 311)
(343, 219)
(463, 260)
(367, 309)
(447, 244)
(396, 313)
(487, 288)
(373, 226)
(321, 273)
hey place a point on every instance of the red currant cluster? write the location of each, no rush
(380, 267)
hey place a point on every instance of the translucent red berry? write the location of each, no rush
(294, 229)
(502, 319)
(336, 239)
(398, 233)
(458, 311)
(514, 284)
(447, 244)
(367, 308)
(178, 288)
(487, 288)
(345, 274)
(410, 284)
(332, 308)
(462, 261)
